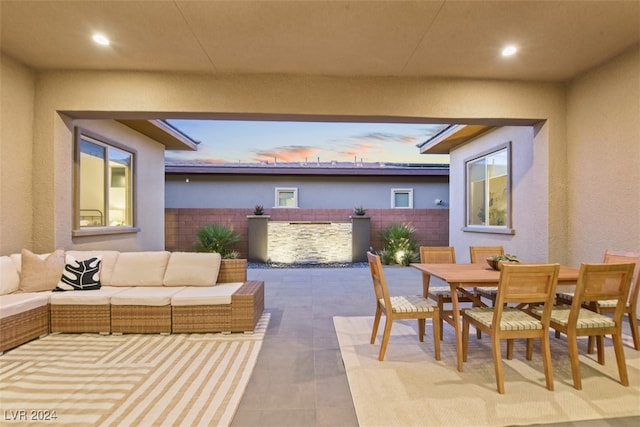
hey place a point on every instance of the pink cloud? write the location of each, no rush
(293, 153)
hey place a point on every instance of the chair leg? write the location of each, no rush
(572, 342)
(633, 323)
(436, 333)
(421, 331)
(509, 349)
(557, 334)
(600, 348)
(546, 360)
(497, 361)
(622, 365)
(385, 337)
(478, 331)
(441, 321)
(465, 338)
(376, 322)
(590, 344)
(529, 348)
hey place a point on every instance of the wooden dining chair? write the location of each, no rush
(520, 284)
(399, 307)
(440, 294)
(479, 255)
(609, 306)
(596, 282)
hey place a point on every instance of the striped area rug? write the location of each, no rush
(411, 388)
(128, 380)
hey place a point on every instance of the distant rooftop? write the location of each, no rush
(308, 168)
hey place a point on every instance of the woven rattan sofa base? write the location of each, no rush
(140, 319)
(232, 271)
(201, 318)
(81, 318)
(23, 327)
(247, 305)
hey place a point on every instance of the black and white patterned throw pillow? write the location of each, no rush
(80, 275)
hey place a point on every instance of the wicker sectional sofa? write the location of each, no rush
(140, 292)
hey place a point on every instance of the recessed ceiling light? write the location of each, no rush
(101, 39)
(509, 50)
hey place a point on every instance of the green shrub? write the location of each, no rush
(387, 257)
(217, 238)
(399, 245)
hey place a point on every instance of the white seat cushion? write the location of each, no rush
(13, 304)
(212, 295)
(100, 296)
(145, 295)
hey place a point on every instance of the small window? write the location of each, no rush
(402, 198)
(488, 190)
(286, 197)
(104, 185)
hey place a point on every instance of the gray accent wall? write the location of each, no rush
(327, 192)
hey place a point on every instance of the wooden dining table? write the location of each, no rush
(464, 278)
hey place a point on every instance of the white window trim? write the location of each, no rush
(78, 231)
(286, 189)
(495, 229)
(395, 191)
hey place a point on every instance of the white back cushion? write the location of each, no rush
(192, 269)
(107, 265)
(140, 268)
(9, 278)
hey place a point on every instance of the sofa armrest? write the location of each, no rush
(247, 305)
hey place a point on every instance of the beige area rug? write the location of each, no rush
(411, 388)
(128, 380)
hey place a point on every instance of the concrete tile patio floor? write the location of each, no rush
(299, 378)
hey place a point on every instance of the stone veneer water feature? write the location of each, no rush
(308, 242)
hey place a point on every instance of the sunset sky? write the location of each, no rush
(232, 141)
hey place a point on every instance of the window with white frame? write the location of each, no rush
(488, 189)
(402, 198)
(286, 198)
(104, 185)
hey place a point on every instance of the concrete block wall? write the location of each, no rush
(181, 224)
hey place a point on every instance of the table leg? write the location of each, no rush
(426, 278)
(456, 323)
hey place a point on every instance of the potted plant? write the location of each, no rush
(359, 211)
(496, 261)
(258, 210)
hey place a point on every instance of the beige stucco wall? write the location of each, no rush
(112, 93)
(149, 174)
(603, 143)
(361, 98)
(17, 91)
(528, 201)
